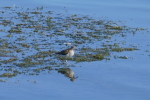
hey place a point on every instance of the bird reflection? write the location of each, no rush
(67, 72)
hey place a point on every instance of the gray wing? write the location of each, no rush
(63, 52)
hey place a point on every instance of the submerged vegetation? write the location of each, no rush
(30, 38)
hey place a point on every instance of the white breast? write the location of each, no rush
(71, 53)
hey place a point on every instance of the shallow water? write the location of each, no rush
(125, 79)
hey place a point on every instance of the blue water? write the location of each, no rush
(115, 79)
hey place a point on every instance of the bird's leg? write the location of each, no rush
(66, 62)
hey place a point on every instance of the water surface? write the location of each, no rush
(125, 79)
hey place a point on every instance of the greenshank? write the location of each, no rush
(67, 53)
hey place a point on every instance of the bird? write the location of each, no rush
(67, 52)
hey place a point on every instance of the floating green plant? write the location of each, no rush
(36, 12)
(14, 31)
(122, 57)
(9, 75)
(8, 35)
(98, 56)
(24, 45)
(33, 37)
(123, 49)
(9, 60)
(115, 27)
(35, 30)
(27, 64)
(4, 51)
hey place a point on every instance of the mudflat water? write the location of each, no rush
(111, 62)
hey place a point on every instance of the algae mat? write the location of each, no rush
(29, 39)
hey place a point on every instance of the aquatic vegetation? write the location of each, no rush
(122, 57)
(14, 31)
(32, 37)
(27, 64)
(9, 75)
(9, 60)
(98, 56)
(114, 27)
(24, 45)
(123, 49)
